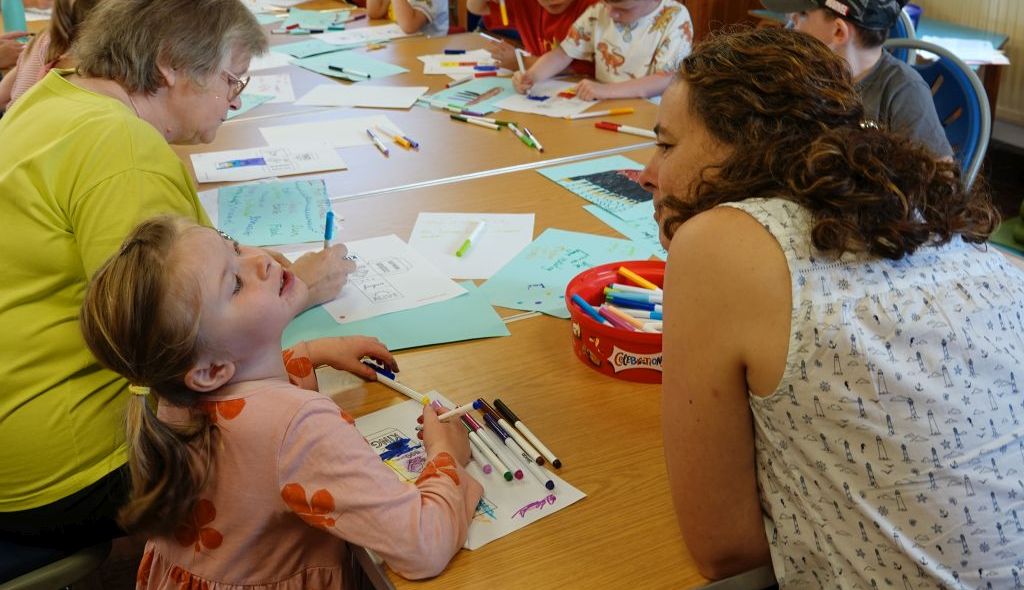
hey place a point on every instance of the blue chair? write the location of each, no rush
(960, 101)
(903, 29)
(36, 568)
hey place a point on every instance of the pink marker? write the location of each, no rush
(494, 445)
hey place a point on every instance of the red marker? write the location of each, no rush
(292, 26)
(625, 129)
(485, 74)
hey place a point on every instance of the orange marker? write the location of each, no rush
(592, 114)
(625, 129)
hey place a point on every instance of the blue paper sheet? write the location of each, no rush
(536, 278)
(265, 18)
(308, 48)
(272, 213)
(643, 230)
(611, 183)
(465, 93)
(249, 102)
(465, 317)
(356, 61)
(314, 19)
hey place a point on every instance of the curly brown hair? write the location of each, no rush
(790, 103)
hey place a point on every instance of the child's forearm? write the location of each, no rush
(549, 64)
(376, 8)
(479, 7)
(407, 17)
(646, 87)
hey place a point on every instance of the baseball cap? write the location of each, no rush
(875, 15)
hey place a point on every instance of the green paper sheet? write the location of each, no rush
(349, 59)
(466, 317)
(249, 102)
(464, 93)
(272, 213)
(642, 230)
(314, 19)
(536, 278)
(308, 48)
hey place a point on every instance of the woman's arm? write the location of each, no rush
(727, 310)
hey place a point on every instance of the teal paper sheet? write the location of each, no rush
(536, 278)
(348, 59)
(314, 19)
(249, 102)
(643, 230)
(465, 317)
(457, 95)
(272, 213)
(603, 183)
(308, 48)
(265, 18)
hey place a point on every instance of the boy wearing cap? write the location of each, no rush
(894, 94)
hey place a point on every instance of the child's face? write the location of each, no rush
(628, 11)
(555, 6)
(247, 298)
(816, 24)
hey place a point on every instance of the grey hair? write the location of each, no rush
(128, 40)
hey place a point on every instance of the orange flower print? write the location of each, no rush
(315, 512)
(196, 532)
(348, 418)
(187, 580)
(145, 569)
(442, 463)
(228, 409)
(298, 367)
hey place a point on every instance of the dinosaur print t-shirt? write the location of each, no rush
(654, 43)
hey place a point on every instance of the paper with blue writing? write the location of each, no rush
(611, 183)
(467, 95)
(643, 230)
(505, 507)
(536, 278)
(356, 61)
(467, 317)
(271, 213)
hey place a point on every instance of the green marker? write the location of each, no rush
(470, 239)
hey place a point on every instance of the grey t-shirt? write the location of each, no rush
(897, 98)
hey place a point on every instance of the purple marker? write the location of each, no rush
(516, 449)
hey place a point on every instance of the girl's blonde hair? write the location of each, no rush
(141, 320)
(64, 20)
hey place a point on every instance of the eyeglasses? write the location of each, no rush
(237, 84)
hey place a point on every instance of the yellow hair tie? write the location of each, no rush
(138, 389)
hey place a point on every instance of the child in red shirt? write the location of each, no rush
(541, 24)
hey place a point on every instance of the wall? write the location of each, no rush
(1002, 16)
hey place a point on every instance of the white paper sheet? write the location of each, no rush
(432, 63)
(337, 132)
(972, 51)
(364, 35)
(269, 60)
(506, 506)
(438, 235)
(280, 161)
(554, 106)
(277, 85)
(358, 95)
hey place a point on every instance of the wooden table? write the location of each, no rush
(606, 431)
(450, 150)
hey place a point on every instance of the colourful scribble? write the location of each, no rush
(550, 499)
(485, 511)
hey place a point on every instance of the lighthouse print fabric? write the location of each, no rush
(892, 454)
(654, 43)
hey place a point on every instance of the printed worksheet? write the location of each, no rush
(544, 99)
(439, 236)
(506, 507)
(266, 162)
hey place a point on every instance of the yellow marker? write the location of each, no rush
(637, 279)
(504, 12)
(396, 138)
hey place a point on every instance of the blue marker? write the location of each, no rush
(649, 297)
(486, 68)
(589, 310)
(454, 51)
(328, 229)
(633, 303)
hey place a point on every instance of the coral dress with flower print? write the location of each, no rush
(293, 481)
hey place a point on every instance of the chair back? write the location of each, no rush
(960, 101)
(35, 568)
(903, 29)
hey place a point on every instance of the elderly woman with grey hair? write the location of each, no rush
(84, 157)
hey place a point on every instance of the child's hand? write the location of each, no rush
(324, 272)
(346, 353)
(523, 81)
(592, 90)
(444, 437)
(504, 53)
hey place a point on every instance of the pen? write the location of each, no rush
(633, 303)
(504, 12)
(637, 279)
(589, 309)
(491, 456)
(641, 313)
(377, 141)
(485, 96)
(476, 453)
(328, 229)
(476, 122)
(459, 411)
(514, 447)
(631, 288)
(522, 136)
(497, 122)
(484, 68)
(533, 138)
(648, 297)
(625, 129)
(635, 323)
(510, 415)
(470, 239)
(400, 140)
(485, 74)
(349, 71)
(491, 38)
(519, 60)
(522, 442)
(590, 115)
(652, 327)
(454, 51)
(386, 377)
(458, 81)
(616, 320)
(496, 447)
(415, 144)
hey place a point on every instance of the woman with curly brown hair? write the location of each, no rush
(839, 391)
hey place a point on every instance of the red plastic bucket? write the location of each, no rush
(633, 356)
